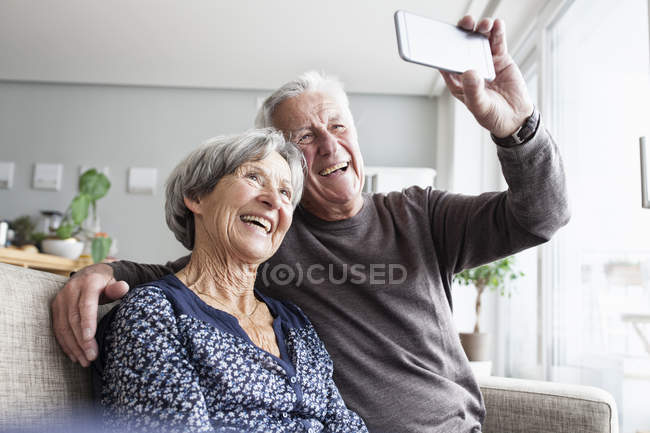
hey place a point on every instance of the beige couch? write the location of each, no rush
(39, 383)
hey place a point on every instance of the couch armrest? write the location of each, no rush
(527, 406)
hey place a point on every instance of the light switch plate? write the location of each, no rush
(6, 175)
(142, 180)
(47, 176)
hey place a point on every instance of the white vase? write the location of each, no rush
(69, 248)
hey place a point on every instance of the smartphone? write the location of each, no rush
(442, 46)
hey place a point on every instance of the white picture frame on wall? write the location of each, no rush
(6, 174)
(47, 176)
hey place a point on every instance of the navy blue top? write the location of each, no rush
(168, 360)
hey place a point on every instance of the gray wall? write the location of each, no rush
(122, 127)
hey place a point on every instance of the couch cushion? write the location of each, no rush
(524, 406)
(37, 380)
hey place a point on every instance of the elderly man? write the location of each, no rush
(374, 272)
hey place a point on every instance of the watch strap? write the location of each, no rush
(521, 135)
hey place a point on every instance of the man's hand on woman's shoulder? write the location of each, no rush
(74, 310)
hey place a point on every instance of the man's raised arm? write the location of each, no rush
(74, 309)
(479, 229)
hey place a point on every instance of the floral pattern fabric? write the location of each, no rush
(169, 362)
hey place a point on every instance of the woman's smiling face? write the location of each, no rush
(248, 212)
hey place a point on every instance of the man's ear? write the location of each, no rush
(193, 205)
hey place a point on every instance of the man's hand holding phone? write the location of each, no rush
(474, 62)
(503, 104)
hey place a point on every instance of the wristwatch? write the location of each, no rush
(521, 135)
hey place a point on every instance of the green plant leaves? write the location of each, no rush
(23, 228)
(94, 184)
(99, 248)
(65, 230)
(79, 208)
(494, 276)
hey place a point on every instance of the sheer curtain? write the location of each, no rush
(520, 318)
(598, 53)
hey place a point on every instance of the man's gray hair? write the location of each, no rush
(311, 81)
(198, 174)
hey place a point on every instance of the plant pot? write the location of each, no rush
(476, 345)
(69, 248)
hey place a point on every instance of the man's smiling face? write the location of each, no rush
(324, 130)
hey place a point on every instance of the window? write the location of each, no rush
(598, 75)
(519, 328)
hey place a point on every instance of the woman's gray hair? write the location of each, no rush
(311, 81)
(201, 170)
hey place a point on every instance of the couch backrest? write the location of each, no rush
(37, 380)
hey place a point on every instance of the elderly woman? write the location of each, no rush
(202, 350)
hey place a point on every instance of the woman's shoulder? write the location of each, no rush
(145, 302)
(141, 310)
(165, 291)
(151, 295)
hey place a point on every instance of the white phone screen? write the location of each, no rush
(442, 46)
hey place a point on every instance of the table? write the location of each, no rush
(43, 262)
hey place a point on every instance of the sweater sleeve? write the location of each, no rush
(148, 383)
(469, 231)
(136, 274)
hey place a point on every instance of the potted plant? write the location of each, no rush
(25, 236)
(24, 230)
(93, 185)
(496, 277)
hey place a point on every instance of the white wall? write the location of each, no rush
(396, 131)
(130, 126)
(445, 136)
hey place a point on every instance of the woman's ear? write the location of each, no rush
(193, 205)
